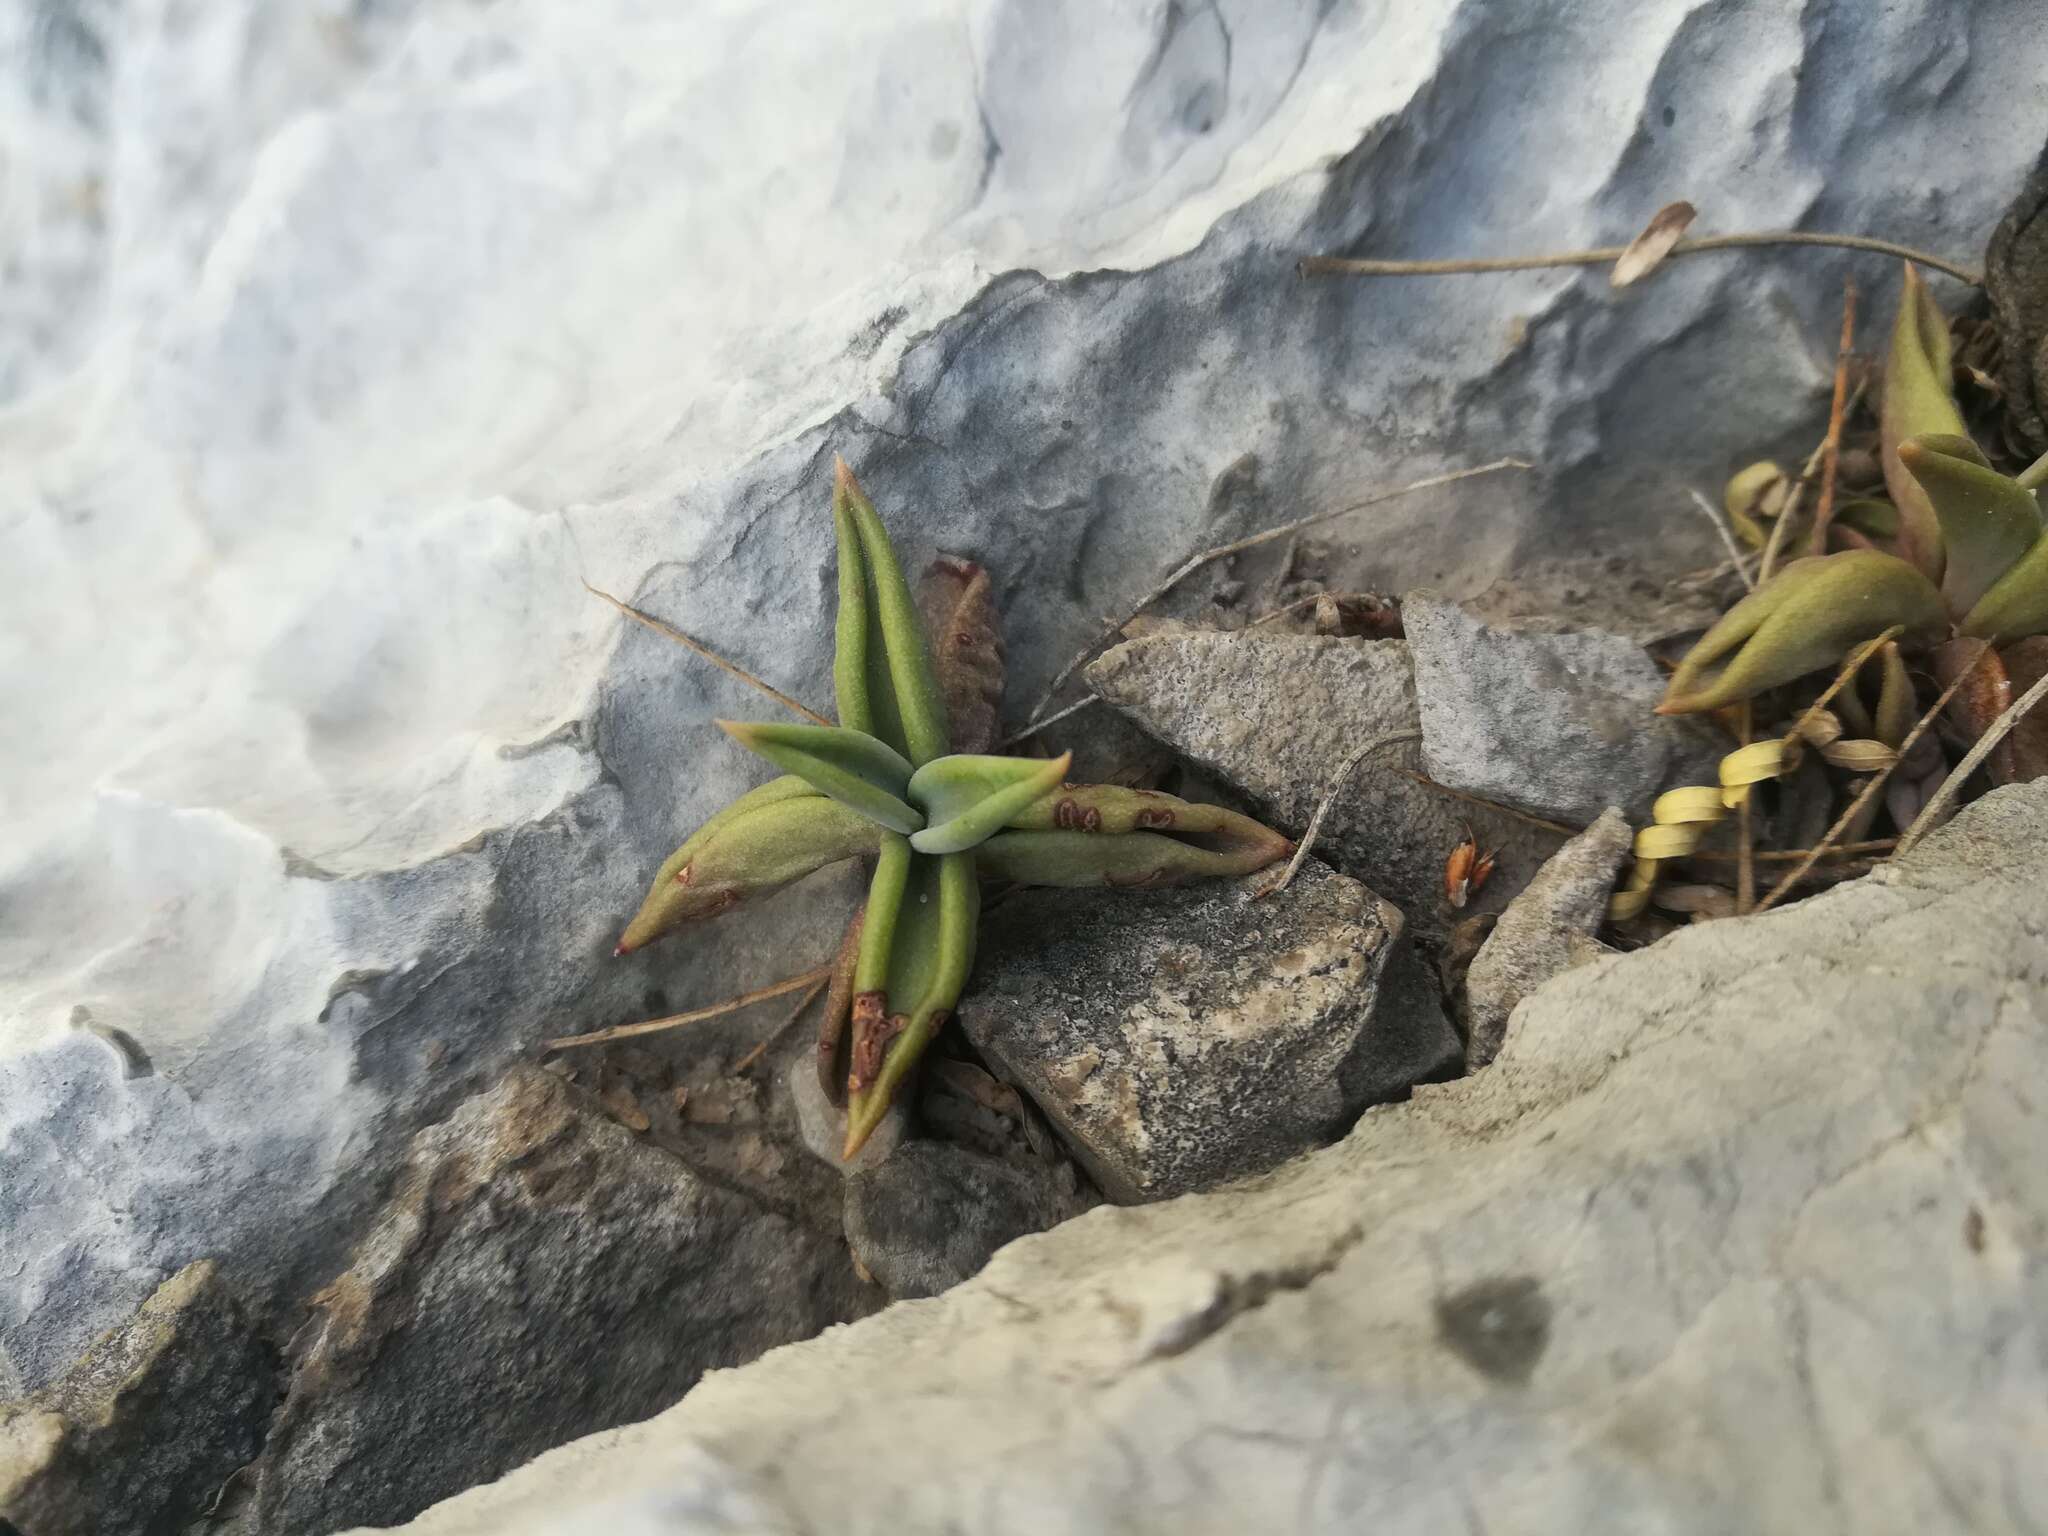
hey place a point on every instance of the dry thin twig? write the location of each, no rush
(707, 653)
(1053, 719)
(1309, 602)
(1745, 829)
(1986, 744)
(1824, 509)
(1720, 523)
(817, 977)
(1222, 551)
(1876, 784)
(1315, 266)
(1492, 805)
(1807, 477)
(1337, 782)
(761, 1046)
(1787, 855)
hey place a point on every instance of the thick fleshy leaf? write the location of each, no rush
(854, 768)
(958, 605)
(1897, 707)
(1917, 401)
(929, 965)
(884, 908)
(1810, 615)
(854, 624)
(967, 798)
(919, 706)
(2035, 476)
(1113, 809)
(1079, 859)
(751, 848)
(1987, 521)
(2016, 605)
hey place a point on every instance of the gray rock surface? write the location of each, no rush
(932, 1215)
(336, 783)
(1178, 1038)
(1742, 1232)
(1550, 927)
(1558, 724)
(142, 1433)
(1275, 717)
(538, 1274)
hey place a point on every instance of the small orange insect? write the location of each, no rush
(1467, 870)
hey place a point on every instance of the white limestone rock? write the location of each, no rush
(1743, 1231)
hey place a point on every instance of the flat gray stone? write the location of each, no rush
(1558, 724)
(1179, 1038)
(1548, 928)
(1275, 716)
(146, 1428)
(540, 1273)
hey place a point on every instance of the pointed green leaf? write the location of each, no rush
(852, 767)
(934, 953)
(919, 706)
(967, 798)
(850, 652)
(761, 842)
(1810, 615)
(2034, 476)
(1987, 521)
(2017, 604)
(1916, 402)
(885, 906)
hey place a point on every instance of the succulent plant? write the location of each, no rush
(887, 783)
(1959, 554)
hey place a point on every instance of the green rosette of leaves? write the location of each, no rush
(885, 784)
(1958, 554)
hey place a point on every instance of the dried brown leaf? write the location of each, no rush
(1983, 697)
(958, 605)
(2026, 663)
(1647, 251)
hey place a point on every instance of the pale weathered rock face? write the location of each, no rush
(538, 1274)
(1178, 1038)
(1548, 928)
(1558, 724)
(1275, 717)
(147, 1428)
(1745, 1231)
